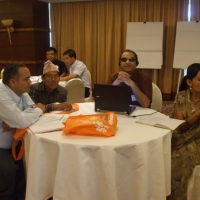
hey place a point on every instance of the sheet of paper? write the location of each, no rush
(186, 53)
(139, 34)
(47, 123)
(160, 120)
(140, 111)
(35, 78)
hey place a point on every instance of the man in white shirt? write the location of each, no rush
(17, 110)
(77, 70)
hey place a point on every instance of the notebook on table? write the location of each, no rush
(112, 98)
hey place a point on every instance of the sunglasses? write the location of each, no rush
(130, 59)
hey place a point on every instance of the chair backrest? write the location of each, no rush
(2, 73)
(156, 98)
(194, 184)
(76, 91)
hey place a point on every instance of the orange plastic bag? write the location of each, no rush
(18, 136)
(103, 124)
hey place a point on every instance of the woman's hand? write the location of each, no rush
(190, 121)
(184, 126)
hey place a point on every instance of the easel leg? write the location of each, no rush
(179, 79)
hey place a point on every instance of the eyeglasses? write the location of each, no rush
(130, 59)
(50, 76)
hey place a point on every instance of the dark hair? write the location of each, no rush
(11, 72)
(128, 50)
(52, 49)
(192, 71)
(70, 52)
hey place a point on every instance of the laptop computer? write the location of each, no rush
(112, 98)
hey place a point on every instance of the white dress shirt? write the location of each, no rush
(81, 70)
(17, 112)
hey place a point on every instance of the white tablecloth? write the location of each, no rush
(62, 83)
(135, 164)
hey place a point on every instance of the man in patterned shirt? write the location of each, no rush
(49, 92)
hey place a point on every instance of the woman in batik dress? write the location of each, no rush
(186, 138)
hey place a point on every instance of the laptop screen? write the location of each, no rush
(112, 98)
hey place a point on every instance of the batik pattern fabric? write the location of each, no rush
(185, 149)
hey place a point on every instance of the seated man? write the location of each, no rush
(77, 70)
(140, 84)
(49, 92)
(17, 110)
(51, 54)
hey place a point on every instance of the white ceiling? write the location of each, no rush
(60, 1)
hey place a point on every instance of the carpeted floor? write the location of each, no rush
(167, 108)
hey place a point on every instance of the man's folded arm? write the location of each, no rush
(16, 118)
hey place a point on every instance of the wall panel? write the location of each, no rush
(30, 38)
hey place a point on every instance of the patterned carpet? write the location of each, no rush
(167, 108)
